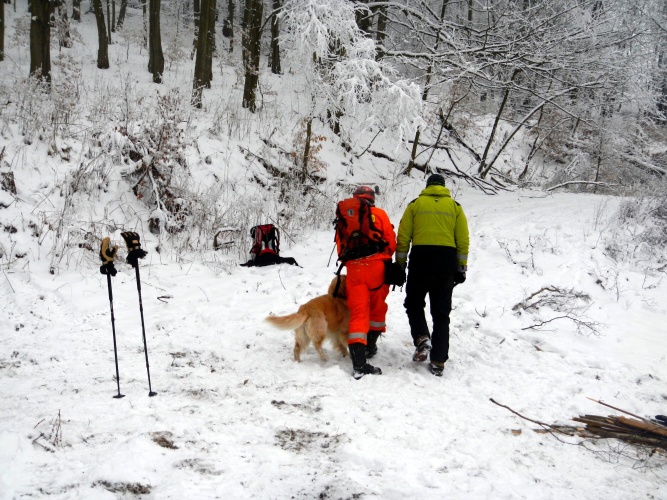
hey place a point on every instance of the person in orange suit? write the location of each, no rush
(367, 291)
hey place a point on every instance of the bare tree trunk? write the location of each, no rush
(103, 43)
(76, 10)
(483, 168)
(113, 16)
(253, 24)
(364, 18)
(381, 32)
(306, 150)
(40, 39)
(196, 11)
(427, 86)
(2, 30)
(109, 18)
(64, 37)
(413, 154)
(200, 79)
(274, 55)
(121, 14)
(228, 25)
(210, 47)
(155, 55)
(145, 21)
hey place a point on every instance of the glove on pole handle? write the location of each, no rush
(143, 332)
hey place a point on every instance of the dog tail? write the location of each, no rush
(289, 322)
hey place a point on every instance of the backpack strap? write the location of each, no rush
(337, 287)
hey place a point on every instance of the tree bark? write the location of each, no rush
(109, 19)
(253, 22)
(228, 24)
(40, 39)
(483, 168)
(364, 18)
(121, 14)
(103, 42)
(210, 46)
(2, 30)
(274, 55)
(64, 37)
(306, 150)
(201, 78)
(155, 55)
(381, 32)
(196, 11)
(76, 10)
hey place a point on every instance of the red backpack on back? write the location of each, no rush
(356, 234)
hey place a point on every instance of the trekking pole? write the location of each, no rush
(135, 253)
(107, 255)
(143, 331)
(113, 330)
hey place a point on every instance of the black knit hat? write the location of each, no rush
(435, 179)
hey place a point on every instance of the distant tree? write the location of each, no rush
(228, 24)
(2, 30)
(274, 53)
(155, 54)
(64, 37)
(76, 10)
(338, 63)
(204, 58)
(252, 22)
(212, 14)
(102, 40)
(196, 11)
(121, 14)
(40, 38)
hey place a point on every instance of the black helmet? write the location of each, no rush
(365, 193)
(435, 179)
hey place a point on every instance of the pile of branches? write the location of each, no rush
(637, 430)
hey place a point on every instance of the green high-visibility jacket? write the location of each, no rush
(433, 218)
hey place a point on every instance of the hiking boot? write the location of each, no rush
(367, 369)
(359, 365)
(371, 346)
(423, 348)
(436, 368)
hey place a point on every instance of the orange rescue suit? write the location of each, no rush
(366, 290)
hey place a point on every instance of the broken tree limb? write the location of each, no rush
(548, 427)
(617, 409)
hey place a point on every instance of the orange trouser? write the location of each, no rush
(366, 294)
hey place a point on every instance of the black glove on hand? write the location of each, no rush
(107, 256)
(460, 275)
(135, 252)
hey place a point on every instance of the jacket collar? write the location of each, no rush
(435, 190)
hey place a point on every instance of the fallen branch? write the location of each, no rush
(564, 184)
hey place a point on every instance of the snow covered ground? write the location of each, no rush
(236, 417)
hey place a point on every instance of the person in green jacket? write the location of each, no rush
(437, 229)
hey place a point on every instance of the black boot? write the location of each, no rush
(359, 365)
(371, 346)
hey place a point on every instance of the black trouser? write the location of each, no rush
(431, 271)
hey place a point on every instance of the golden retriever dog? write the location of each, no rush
(320, 318)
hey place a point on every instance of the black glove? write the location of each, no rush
(135, 252)
(107, 256)
(460, 275)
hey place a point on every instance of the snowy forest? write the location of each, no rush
(191, 121)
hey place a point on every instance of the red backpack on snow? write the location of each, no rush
(265, 250)
(265, 239)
